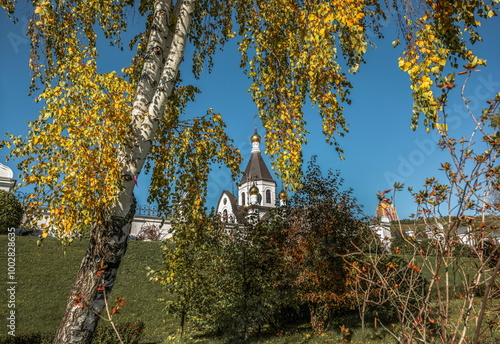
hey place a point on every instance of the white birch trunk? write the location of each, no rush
(151, 98)
(108, 241)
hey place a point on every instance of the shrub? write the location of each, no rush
(150, 232)
(38, 338)
(462, 250)
(402, 246)
(11, 211)
(395, 282)
(491, 252)
(131, 333)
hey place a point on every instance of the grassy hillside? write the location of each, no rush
(44, 275)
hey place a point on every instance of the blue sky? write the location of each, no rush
(379, 149)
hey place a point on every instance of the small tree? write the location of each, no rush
(242, 283)
(224, 281)
(188, 259)
(11, 211)
(323, 223)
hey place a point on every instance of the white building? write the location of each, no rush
(383, 230)
(256, 191)
(7, 181)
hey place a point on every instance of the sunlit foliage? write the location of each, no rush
(79, 150)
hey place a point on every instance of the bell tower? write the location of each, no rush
(257, 186)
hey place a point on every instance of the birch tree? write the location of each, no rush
(97, 131)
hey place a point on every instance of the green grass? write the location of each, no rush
(44, 275)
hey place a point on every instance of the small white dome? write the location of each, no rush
(5, 172)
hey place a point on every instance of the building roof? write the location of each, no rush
(6, 172)
(7, 182)
(256, 170)
(237, 210)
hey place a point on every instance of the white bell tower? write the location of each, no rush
(257, 187)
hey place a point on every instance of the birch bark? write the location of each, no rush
(108, 241)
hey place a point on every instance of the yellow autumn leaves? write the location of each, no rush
(73, 153)
(296, 60)
(423, 61)
(7, 5)
(182, 160)
(435, 39)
